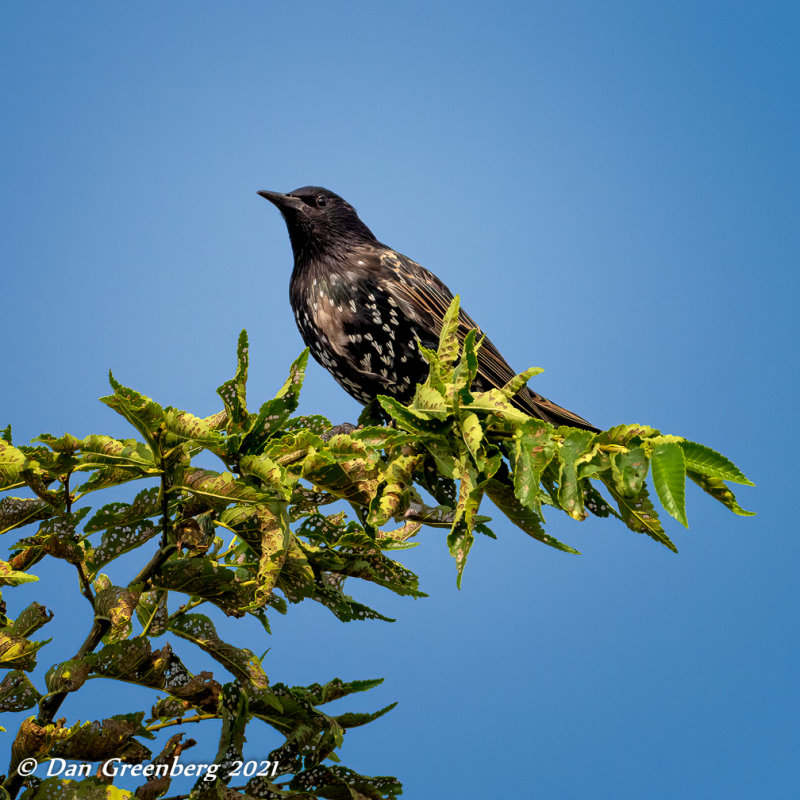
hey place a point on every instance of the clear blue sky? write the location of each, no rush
(612, 188)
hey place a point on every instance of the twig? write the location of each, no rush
(49, 704)
(171, 723)
(187, 606)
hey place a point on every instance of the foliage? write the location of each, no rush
(253, 536)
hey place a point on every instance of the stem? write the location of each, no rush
(49, 704)
(151, 567)
(86, 588)
(180, 721)
(187, 606)
(146, 627)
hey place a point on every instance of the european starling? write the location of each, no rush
(362, 307)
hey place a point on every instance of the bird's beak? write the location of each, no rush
(283, 201)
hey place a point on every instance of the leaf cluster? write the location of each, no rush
(258, 535)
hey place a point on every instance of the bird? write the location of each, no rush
(363, 309)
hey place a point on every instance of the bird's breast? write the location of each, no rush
(360, 334)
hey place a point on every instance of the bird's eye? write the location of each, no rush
(321, 201)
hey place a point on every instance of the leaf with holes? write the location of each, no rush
(240, 662)
(145, 414)
(234, 391)
(17, 693)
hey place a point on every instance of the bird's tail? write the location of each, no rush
(532, 403)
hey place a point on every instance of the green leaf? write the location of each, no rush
(240, 662)
(58, 537)
(144, 413)
(120, 539)
(201, 577)
(502, 495)
(467, 368)
(107, 738)
(17, 693)
(351, 720)
(409, 419)
(518, 381)
(151, 611)
(449, 346)
(145, 505)
(134, 661)
(629, 471)
(705, 461)
(393, 497)
(276, 537)
(234, 711)
(30, 619)
(17, 652)
(596, 503)
(13, 577)
(570, 491)
(273, 414)
(640, 516)
(341, 782)
(187, 428)
(220, 489)
(290, 391)
(68, 676)
(17, 511)
(271, 475)
(669, 478)
(428, 403)
(120, 461)
(234, 391)
(719, 491)
(89, 789)
(627, 435)
(116, 605)
(495, 402)
(472, 431)
(12, 462)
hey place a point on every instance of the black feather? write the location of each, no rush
(362, 307)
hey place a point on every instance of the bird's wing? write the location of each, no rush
(425, 299)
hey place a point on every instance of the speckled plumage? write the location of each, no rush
(362, 307)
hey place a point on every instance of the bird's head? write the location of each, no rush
(319, 221)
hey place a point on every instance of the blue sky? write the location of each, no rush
(612, 188)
